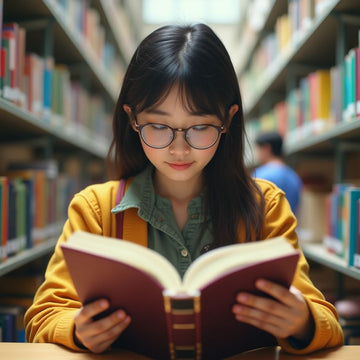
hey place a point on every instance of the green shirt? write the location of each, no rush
(164, 236)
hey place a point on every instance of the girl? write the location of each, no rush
(179, 137)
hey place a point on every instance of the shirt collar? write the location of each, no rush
(140, 194)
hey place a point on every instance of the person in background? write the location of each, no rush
(178, 140)
(269, 153)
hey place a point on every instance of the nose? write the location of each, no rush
(179, 145)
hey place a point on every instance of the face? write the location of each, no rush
(177, 162)
(263, 153)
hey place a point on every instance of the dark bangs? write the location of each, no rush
(186, 61)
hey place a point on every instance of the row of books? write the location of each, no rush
(324, 99)
(16, 295)
(85, 21)
(342, 222)
(33, 205)
(289, 29)
(47, 90)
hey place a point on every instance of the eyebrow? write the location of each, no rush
(164, 113)
(156, 112)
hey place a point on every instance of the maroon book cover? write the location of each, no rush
(167, 330)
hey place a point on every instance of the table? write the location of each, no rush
(36, 351)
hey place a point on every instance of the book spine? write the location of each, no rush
(356, 258)
(183, 323)
(357, 80)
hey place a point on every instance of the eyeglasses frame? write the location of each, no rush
(139, 128)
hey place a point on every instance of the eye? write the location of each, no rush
(158, 126)
(200, 127)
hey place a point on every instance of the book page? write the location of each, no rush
(129, 253)
(221, 260)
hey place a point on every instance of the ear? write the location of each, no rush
(232, 111)
(129, 113)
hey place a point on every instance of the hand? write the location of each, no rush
(98, 335)
(286, 316)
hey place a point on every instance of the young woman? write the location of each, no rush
(179, 138)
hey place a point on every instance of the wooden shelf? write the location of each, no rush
(18, 124)
(318, 253)
(320, 35)
(347, 131)
(274, 77)
(278, 7)
(26, 256)
(68, 46)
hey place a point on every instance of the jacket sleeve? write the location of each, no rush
(51, 316)
(280, 221)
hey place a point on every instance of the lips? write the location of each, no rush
(182, 166)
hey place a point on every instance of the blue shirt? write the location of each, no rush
(283, 177)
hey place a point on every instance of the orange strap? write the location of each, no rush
(130, 226)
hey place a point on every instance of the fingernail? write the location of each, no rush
(103, 304)
(242, 297)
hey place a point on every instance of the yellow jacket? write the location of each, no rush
(51, 317)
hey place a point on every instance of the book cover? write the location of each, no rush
(356, 258)
(352, 198)
(4, 216)
(190, 316)
(357, 80)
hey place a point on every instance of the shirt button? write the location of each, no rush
(184, 253)
(195, 216)
(160, 219)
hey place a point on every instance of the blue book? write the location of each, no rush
(353, 195)
(7, 324)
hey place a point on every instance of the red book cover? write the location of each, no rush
(192, 317)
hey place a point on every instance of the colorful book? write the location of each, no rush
(357, 80)
(350, 86)
(356, 258)
(190, 315)
(352, 196)
(4, 203)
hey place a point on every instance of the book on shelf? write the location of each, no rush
(349, 77)
(12, 324)
(352, 196)
(357, 80)
(17, 208)
(190, 315)
(4, 204)
(356, 258)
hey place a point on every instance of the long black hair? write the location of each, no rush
(194, 59)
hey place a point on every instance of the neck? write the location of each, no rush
(178, 190)
(275, 160)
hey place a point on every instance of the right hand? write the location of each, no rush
(98, 335)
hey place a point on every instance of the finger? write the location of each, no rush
(271, 324)
(279, 292)
(102, 340)
(262, 304)
(98, 327)
(87, 312)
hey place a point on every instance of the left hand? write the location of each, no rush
(284, 316)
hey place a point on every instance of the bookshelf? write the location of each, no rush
(317, 252)
(96, 64)
(322, 44)
(27, 256)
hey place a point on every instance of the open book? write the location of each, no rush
(174, 317)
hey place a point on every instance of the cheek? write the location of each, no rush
(151, 154)
(208, 154)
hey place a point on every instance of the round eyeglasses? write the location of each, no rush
(159, 136)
